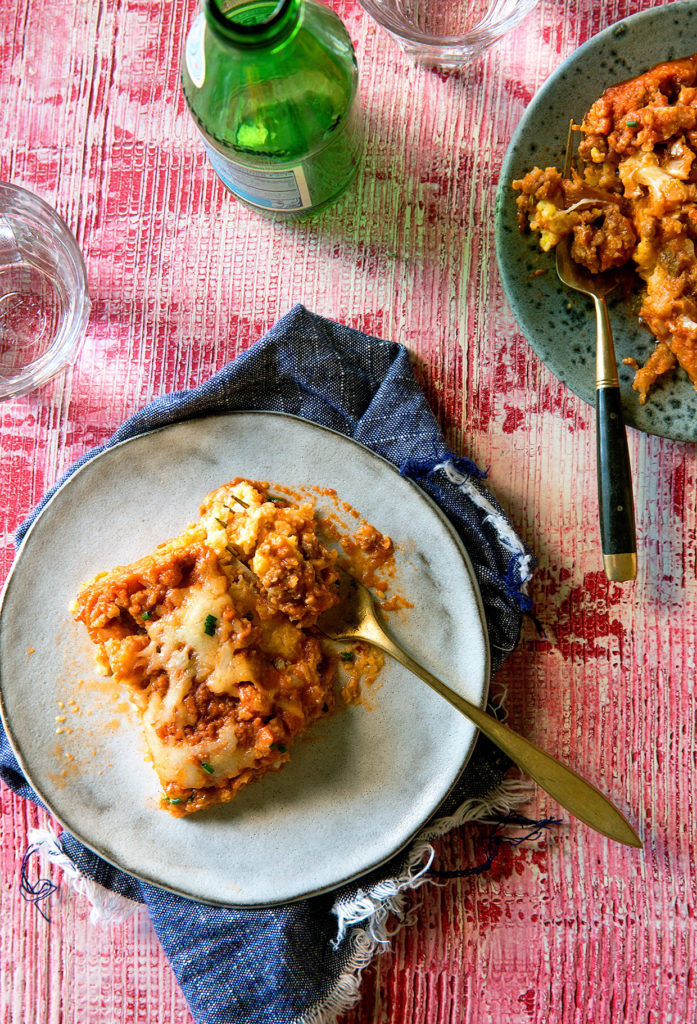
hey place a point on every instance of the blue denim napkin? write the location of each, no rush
(302, 962)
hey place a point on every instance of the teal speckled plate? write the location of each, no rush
(559, 324)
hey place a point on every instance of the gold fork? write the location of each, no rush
(615, 495)
(356, 617)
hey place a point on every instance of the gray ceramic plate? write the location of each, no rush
(560, 325)
(356, 789)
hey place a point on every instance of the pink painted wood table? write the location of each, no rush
(564, 929)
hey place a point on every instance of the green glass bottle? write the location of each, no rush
(272, 86)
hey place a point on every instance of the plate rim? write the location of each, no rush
(508, 277)
(143, 876)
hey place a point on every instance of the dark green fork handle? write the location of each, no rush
(615, 493)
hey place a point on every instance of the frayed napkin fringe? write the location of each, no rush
(346, 992)
(504, 531)
(107, 907)
(374, 908)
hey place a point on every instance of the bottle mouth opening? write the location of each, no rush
(248, 18)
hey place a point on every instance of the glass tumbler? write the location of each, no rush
(44, 302)
(447, 33)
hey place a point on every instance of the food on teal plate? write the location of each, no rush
(632, 203)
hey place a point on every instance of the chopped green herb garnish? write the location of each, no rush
(282, 747)
(273, 497)
(347, 656)
(146, 615)
(209, 625)
(632, 124)
(173, 799)
(207, 767)
(325, 708)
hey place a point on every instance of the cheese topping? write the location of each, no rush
(181, 765)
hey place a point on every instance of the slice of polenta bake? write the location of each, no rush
(210, 634)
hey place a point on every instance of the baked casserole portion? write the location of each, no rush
(211, 635)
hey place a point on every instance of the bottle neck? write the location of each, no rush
(250, 23)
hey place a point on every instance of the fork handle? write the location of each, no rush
(615, 495)
(572, 791)
(567, 787)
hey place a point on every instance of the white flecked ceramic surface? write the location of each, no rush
(357, 788)
(559, 324)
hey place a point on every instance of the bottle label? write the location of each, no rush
(268, 189)
(194, 52)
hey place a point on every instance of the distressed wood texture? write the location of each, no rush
(568, 928)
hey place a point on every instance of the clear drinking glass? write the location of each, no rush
(447, 33)
(44, 303)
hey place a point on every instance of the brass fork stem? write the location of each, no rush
(606, 375)
(562, 783)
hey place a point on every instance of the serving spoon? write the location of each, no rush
(357, 617)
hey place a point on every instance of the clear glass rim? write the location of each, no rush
(483, 33)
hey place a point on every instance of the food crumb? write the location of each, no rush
(396, 603)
